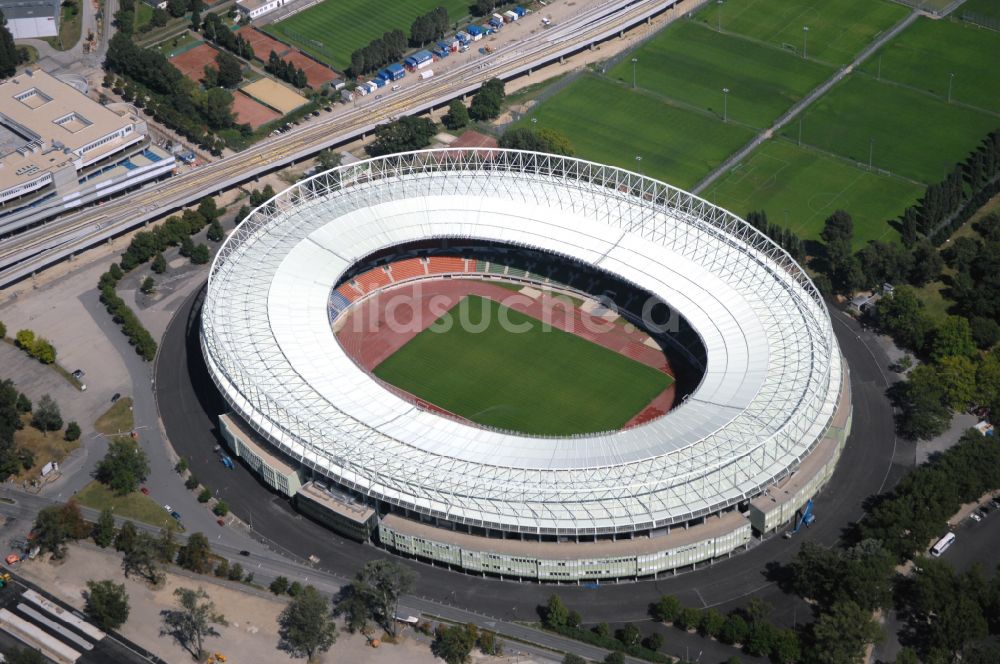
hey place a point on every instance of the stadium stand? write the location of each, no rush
(445, 264)
(373, 279)
(481, 265)
(337, 304)
(497, 268)
(349, 293)
(407, 269)
(515, 272)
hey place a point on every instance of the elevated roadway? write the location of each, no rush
(31, 250)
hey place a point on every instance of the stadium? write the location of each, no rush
(665, 385)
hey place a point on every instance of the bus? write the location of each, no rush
(943, 544)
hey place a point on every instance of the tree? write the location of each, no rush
(407, 133)
(654, 641)
(457, 115)
(958, 379)
(24, 656)
(924, 404)
(570, 658)
(306, 625)
(734, 630)
(178, 8)
(196, 554)
(841, 635)
(215, 232)
(711, 623)
(125, 539)
(56, 525)
(23, 403)
(104, 529)
(952, 337)
(72, 431)
(555, 614)
(454, 643)
(279, 586)
(220, 508)
(46, 416)
(200, 254)
(488, 102)
(148, 285)
(842, 266)
(166, 546)
(666, 609)
(383, 581)
(327, 160)
(629, 635)
(901, 315)
(204, 496)
(230, 70)
(8, 50)
(985, 332)
(785, 647)
(193, 621)
(124, 466)
(215, 105)
(614, 657)
(142, 558)
(294, 589)
(351, 603)
(107, 604)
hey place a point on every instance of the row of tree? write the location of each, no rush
(428, 27)
(537, 140)
(130, 325)
(11, 55)
(36, 347)
(227, 73)
(378, 53)
(286, 71)
(216, 31)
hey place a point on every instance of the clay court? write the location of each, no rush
(279, 97)
(252, 112)
(262, 44)
(192, 62)
(375, 329)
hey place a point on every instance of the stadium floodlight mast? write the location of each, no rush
(718, 15)
(951, 79)
(725, 104)
(871, 150)
(638, 163)
(634, 61)
(805, 41)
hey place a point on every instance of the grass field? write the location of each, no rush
(838, 29)
(45, 447)
(926, 54)
(912, 134)
(117, 419)
(612, 124)
(133, 506)
(332, 30)
(990, 8)
(538, 382)
(800, 188)
(692, 63)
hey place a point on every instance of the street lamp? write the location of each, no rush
(871, 149)
(718, 15)
(638, 163)
(634, 61)
(725, 104)
(951, 79)
(805, 40)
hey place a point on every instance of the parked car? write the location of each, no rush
(145, 491)
(168, 508)
(176, 515)
(975, 516)
(115, 397)
(78, 374)
(244, 552)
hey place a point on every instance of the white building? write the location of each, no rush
(29, 19)
(60, 149)
(256, 8)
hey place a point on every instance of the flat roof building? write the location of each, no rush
(255, 8)
(57, 145)
(29, 19)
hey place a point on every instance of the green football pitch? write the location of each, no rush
(333, 29)
(691, 63)
(799, 188)
(928, 53)
(612, 124)
(838, 29)
(521, 377)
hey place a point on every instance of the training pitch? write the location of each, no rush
(537, 381)
(332, 30)
(693, 64)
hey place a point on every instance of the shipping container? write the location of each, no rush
(424, 75)
(520, 11)
(510, 17)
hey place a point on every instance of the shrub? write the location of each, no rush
(222, 569)
(221, 508)
(294, 589)
(181, 465)
(72, 431)
(688, 618)
(734, 630)
(280, 586)
(191, 483)
(711, 623)
(204, 496)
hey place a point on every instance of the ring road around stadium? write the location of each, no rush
(742, 450)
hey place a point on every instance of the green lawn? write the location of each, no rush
(692, 63)
(800, 188)
(143, 14)
(546, 382)
(332, 30)
(135, 506)
(988, 8)
(612, 124)
(910, 133)
(926, 54)
(838, 29)
(117, 419)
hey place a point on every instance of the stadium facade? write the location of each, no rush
(754, 440)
